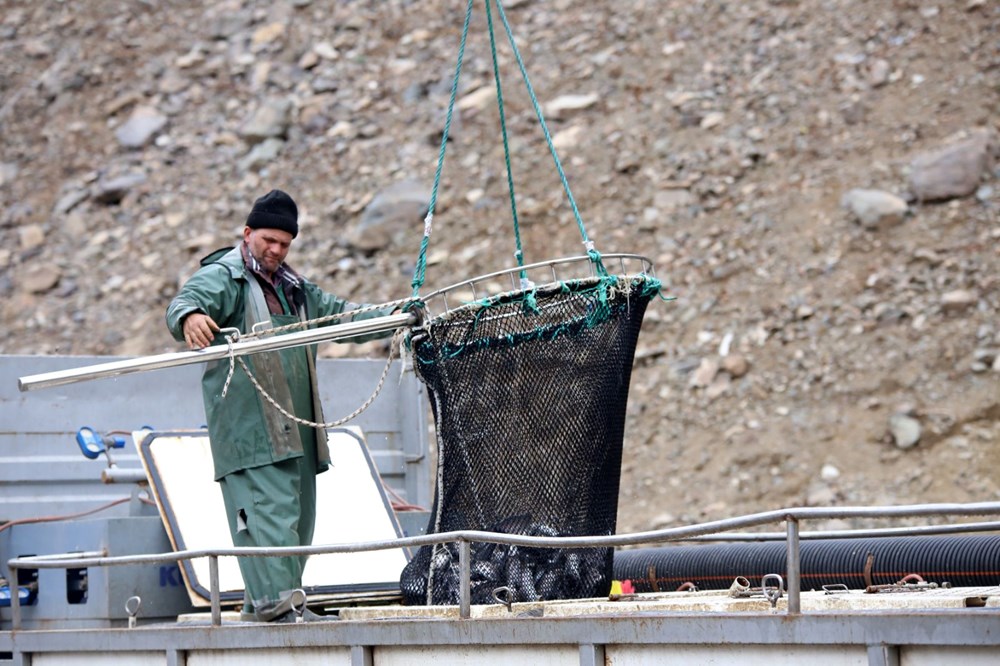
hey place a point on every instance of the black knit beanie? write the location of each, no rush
(275, 210)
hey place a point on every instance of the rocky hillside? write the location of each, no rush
(816, 181)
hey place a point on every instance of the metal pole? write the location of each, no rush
(794, 567)
(216, 352)
(15, 598)
(465, 582)
(123, 475)
(213, 578)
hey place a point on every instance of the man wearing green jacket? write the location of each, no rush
(265, 463)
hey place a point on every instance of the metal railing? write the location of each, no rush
(543, 272)
(464, 538)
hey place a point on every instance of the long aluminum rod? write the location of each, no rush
(216, 352)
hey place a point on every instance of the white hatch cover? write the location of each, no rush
(351, 506)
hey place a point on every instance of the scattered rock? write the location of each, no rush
(952, 171)
(266, 34)
(398, 208)
(326, 51)
(905, 430)
(712, 120)
(70, 200)
(568, 139)
(984, 359)
(32, 236)
(479, 99)
(879, 72)
(669, 200)
(736, 365)
(40, 279)
(141, 126)
(173, 82)
(875, 209)
(113, 190)
(8, 172)
(704, 373)
(719, 385)
(269, 120)
(36, 48)
(958, 300)
(566, 105)
(821, 494)
(262, 154)
(663, 520)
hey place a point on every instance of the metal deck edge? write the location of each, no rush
(965, 627)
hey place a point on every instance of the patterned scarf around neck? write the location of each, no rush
(284, 277)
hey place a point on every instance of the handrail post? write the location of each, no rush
(793, 563)
(465, 582)
(213, 578)
(15, 598)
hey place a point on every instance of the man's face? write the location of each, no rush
(268, 246)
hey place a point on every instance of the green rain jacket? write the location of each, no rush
(246, 431)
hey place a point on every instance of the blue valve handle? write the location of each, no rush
(93, 444)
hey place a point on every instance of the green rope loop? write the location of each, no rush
(595, 258)
(420, 271)
(531, 302)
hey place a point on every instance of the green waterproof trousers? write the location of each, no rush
(272, 505)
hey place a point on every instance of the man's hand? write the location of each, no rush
(199, 330)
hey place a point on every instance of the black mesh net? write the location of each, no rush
(528, 391)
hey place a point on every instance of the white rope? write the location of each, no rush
(332, 424)
(230, 339)
(235, 336)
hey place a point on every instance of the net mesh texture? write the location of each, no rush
(528, 392)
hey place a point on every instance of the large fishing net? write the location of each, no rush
(528, 391)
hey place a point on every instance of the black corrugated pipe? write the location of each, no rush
(963, 561)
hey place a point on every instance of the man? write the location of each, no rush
(265, 463)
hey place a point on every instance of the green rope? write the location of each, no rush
(588, 244)
(530, 300)
(420, 271)
(519, 253)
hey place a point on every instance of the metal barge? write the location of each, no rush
(105, 588)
